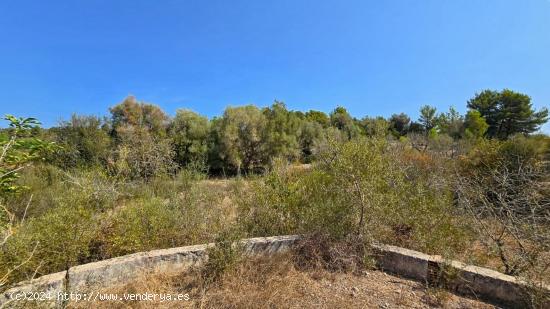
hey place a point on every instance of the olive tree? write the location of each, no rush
(342, 120)
(240, 135)
(282, 132)
(189, 133)
(132, 113)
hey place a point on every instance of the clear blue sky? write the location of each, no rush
(373, 57)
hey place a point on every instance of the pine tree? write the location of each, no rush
(507, 113)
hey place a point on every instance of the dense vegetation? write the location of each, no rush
(472, 186)
(246, 139)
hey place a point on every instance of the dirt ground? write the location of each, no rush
(278, 284)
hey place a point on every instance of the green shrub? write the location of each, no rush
(61, 222)
(84, 141)
(141, 155)
(223, 257)
(48, 185)
(180, 216)
(358, 188)
(53, 242)
(166, 186)
(144, 225)
(281, 203)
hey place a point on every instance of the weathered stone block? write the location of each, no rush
(41, 292)
(123, 269)
(269, 245)
(404, 262)
(487, 284)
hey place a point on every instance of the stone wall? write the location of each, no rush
(119, 270)
(478, 282)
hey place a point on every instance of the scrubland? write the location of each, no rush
(87, 191)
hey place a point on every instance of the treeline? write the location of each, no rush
(139, 140)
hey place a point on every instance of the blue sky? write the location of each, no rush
(373, 57)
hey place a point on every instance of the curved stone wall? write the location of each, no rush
(478, 282)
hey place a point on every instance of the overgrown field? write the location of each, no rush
(84, 192)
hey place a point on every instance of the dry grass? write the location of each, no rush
(276, 283)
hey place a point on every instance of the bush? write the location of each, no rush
(48, 185)
(53, 242)
(62, 221)
(502, 187)
(223, 257)
(144, 225)
(141, 155)
(280, 204)
(181, 215)
(320, 251)
(360, 188)
(84, 141)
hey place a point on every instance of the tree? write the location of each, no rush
(427, 117)
(319, 117)
(342, 120)
(415, 127)
(142, 149)
(189, 132)
(142, 155)
(474, 124)
(399, 124)
(450, 123)
(239, 133)
(84, 141)
(375, 126)
(17, 151)
(138, 114)
(281, 132)
(507, 113)
(311, 133)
